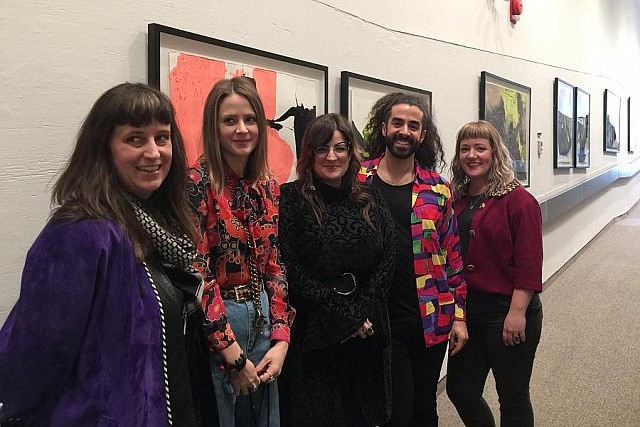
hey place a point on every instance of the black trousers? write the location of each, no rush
(512, 366)
(415, 371)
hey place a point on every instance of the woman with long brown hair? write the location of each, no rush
(338, 244)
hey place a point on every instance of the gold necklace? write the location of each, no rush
(474, 200)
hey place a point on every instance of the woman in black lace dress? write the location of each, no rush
(338, 245)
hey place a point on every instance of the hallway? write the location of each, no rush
(587, 369)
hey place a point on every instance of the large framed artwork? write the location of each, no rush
(563, 125)
(611, 122)
(186, 65)
(358, 93)
(583, 128)
(507, 105)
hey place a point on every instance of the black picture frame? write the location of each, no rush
(611, 122)
(582, 132)
(563, 125)
(513, 121)
(186, 65)
(631, 146)
(358, 93)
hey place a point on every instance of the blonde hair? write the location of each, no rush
(502, 170)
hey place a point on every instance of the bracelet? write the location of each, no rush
(238, 365)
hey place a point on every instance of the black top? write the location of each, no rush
(180, 395)
(327, 375)
(403, 300)
(464, 222)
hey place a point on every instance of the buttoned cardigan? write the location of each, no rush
(505, 243)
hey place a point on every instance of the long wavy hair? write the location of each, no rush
(429, 153)
(89, 187)
(257, 168)
(319, 132)
(502, 166)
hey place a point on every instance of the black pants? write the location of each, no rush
(415, 371)
(484, 351)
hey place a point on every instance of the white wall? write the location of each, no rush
(58, 56)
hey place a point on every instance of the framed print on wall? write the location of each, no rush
(507, 105)
(631, 143)
(611, 122)
(186, 65)
(358, 93)
(582, 128)
(563, 125)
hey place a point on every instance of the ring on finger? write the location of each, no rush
(271, 379)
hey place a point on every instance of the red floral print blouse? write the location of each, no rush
(224, 251)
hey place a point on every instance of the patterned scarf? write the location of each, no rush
(177, 253)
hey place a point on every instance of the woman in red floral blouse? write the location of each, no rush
(237, 208)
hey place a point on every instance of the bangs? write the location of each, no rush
(143, 108)
(475, 130)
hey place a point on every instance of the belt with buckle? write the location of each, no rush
(238, 293)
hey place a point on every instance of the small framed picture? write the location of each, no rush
(611, 122)
(563, 125)
(583, 128)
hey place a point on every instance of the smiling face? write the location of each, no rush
(141, 157)
(403, 131)
(237, 130)
(476, 158)
(330, 166)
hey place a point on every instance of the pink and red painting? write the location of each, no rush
(186, 66)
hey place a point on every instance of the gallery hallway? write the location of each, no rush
(587, 369)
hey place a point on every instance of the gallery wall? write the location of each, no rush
(59, 56)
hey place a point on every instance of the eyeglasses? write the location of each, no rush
(340, 149)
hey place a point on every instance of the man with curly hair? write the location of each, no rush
(428, 292)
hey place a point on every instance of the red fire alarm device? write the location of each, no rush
(516, 10)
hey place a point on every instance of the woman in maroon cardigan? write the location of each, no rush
(500, 228)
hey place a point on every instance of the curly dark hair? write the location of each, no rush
(429, 152)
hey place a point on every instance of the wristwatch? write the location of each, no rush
(238, 365)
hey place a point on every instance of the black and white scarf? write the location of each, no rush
(177, 253)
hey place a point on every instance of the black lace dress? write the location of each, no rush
(329, 378)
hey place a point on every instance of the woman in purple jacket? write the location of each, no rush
(108, 327)
(500, 228)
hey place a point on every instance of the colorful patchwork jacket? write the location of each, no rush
(440, 285)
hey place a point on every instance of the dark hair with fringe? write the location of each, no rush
(89, 187)
(319, 132)
(429, 153)
(257, 163)
(502, 166)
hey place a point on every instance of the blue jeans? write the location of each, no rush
(512, 366)
(260, 408)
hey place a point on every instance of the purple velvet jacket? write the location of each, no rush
(83, 346)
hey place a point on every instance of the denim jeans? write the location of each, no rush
(512, 366)
(260, 408)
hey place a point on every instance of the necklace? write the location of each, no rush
(255, 280)
(474, 200)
